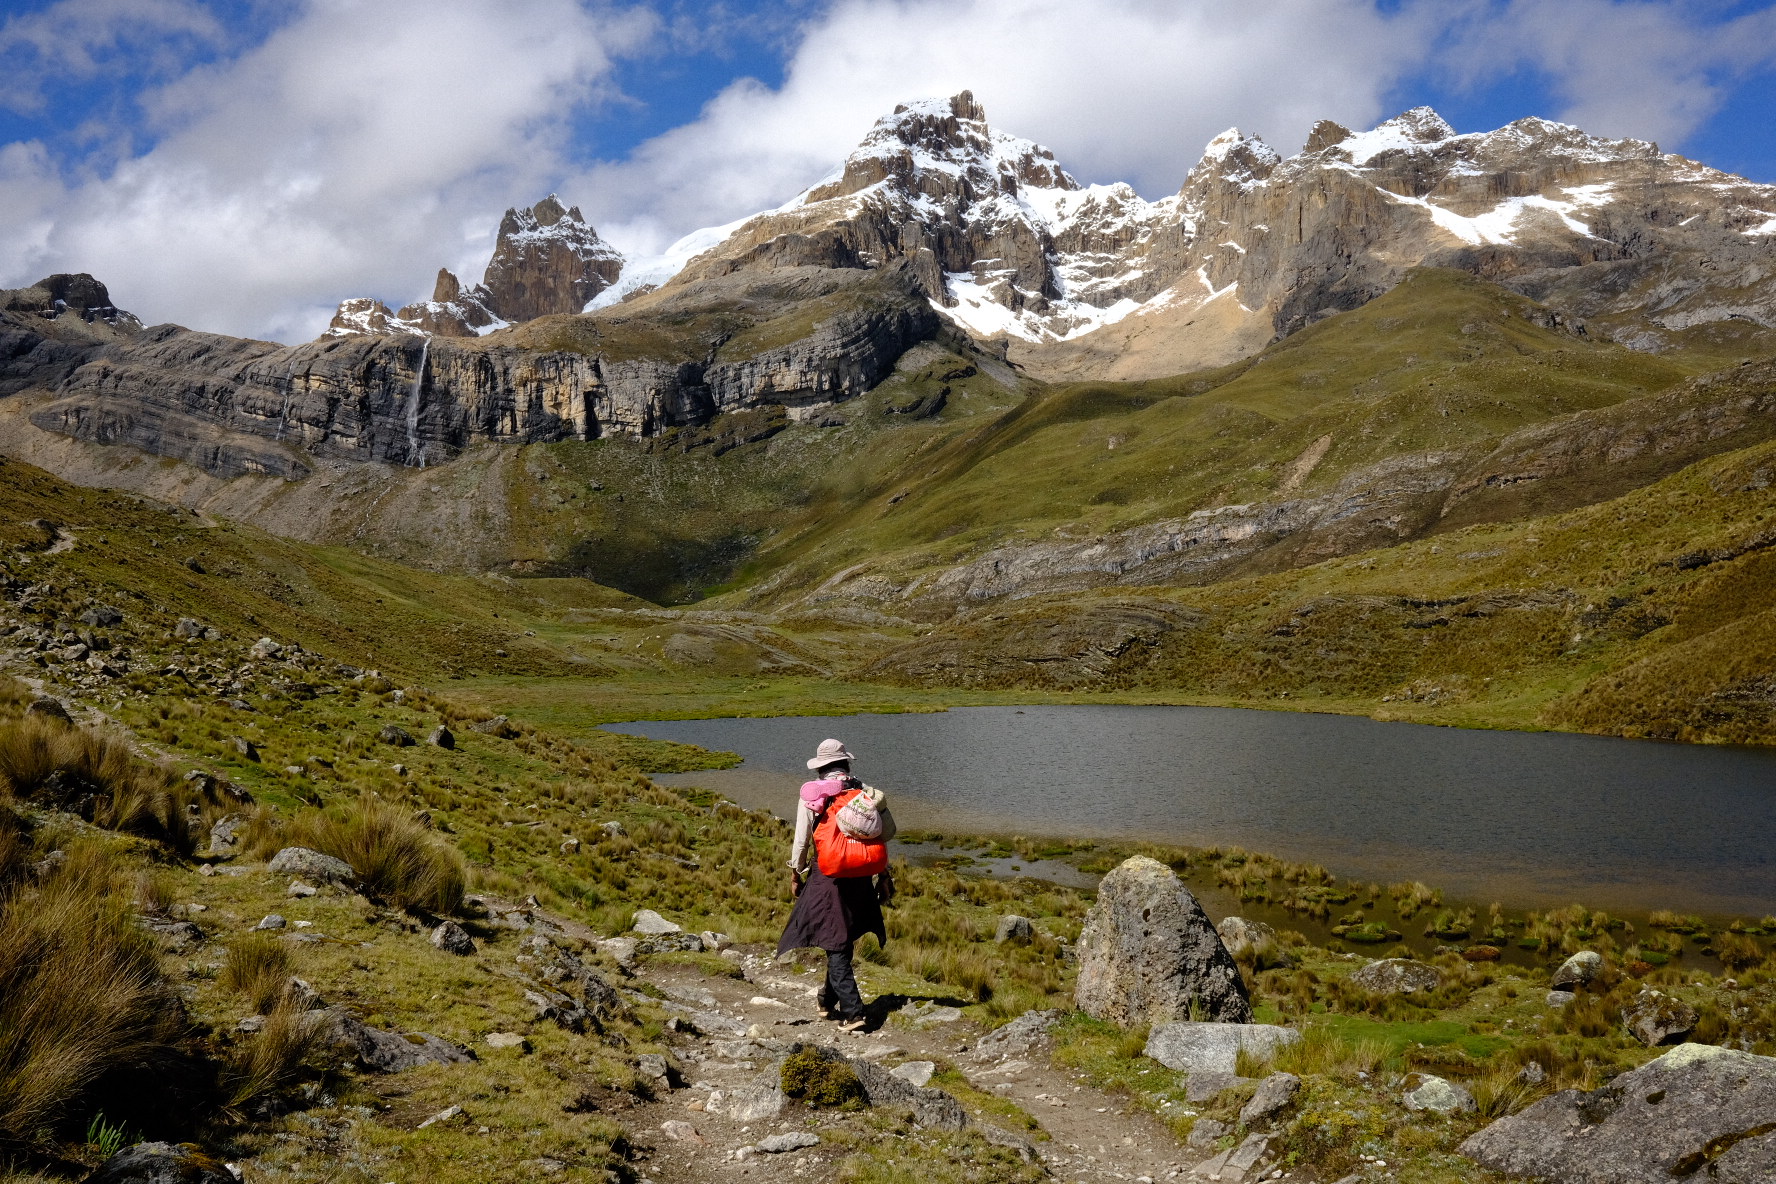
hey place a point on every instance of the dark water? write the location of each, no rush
(1519, 817)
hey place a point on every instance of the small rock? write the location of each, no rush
(507, 1040)
(612, 828)
(1197, 1047)
(788, 1141)
(1206, 1085)
(570, 846)
(303, 861)
(1274, 1093)
(1397, 976)
(250, 1025)
(499, 726)
(1435, 1094)
(396, 735)
(1022, 1035)
(1532, 1074)
(695, 996)
(915, 1072)
(101, 616)
(161, 1163)
(453, 939)
(621, 950)
(387, 1052)
(441, 737)
(53, 709)
(264, 648)
(754, 1103)
(192, 564)
(1015, 929)
(299, 889)
(1205, 1132)
(448, 1114)
(225, 835)
(680, 1131)
(654, 1067)
(1559, 998)
(245, 748)
(272, 921)
(1578, 971)
(649, 922)
(714, 942)
(1655, 1018)
(188, 629)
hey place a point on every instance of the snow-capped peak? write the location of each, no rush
(1418, 128)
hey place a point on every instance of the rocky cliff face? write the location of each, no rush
(50, 328)
(1098, 282)
(547, 260)
(234, 407)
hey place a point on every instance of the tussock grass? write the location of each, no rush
(258, 968)
(270, 1061)
(84, 1012)
(396, 858)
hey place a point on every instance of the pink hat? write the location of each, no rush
(830, 752)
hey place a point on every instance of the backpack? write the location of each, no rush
(841, 855)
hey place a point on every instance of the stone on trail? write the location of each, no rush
(453, 939)
(754, 1103)
(1149, 954)
(788, 1141)
(1021, 1036)
(714, 942)
(1438, 1095)
(162, 1163)
(1653, 1018)
(653, 924)
(1193, 1047)
(1699, 1112)
(1014, 929)
(915, 1072)
(301, 861)
(680, 1131)
(1577, 971)
(1397, 976)
(1274, 1094)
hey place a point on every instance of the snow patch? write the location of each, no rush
(653, 270)
(1768, 227)
(1499, 225)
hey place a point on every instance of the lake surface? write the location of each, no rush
(1525, 818)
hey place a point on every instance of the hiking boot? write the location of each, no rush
(854, 1024)
(823, 999)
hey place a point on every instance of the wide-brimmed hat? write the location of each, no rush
(830, 752)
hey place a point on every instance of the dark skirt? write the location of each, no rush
(831, 914)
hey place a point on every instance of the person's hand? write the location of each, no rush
(885, 888)
(795, 882)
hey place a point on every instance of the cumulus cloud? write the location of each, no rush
(356, 148)
(1120, 89)
(1651, 70)
(73, 40)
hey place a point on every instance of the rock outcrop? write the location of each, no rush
(547, 260)
(234, 407)
(51, 327)
(1149, 954)
(1698, 1112)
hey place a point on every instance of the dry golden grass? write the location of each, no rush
(258, 969)
(270, 1060)
(83, 1006)
(397, 859)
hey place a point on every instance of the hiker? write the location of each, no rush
(839, 874)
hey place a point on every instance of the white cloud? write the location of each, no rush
(73, 40)
(1651, 70)
(1120, 89)
(350, 153)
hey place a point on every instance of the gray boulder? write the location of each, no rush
(188, 628)
(453, 939)
(53, 709)
(441, 737)
(271, 921)
(1191, 1047)
(1240, 935)
(648, 922)
(1274, 1094)
(311, 865)
(915, 1072)
(1653, 1018)
(1021, 1036)
(262, 649)
(161, 1163)
(385, 1052)
(1577, 971)
(788, 1141)
(178, 936)
(1397, 976)
(1205, 1131)
(1438, 1095)
(1013, 928)
(101, 616)
(1149, 954)
(932, 1108)
(225, 835)
(396, 735)
(1697, 1113)
(754, 1103)
(1201, 1087)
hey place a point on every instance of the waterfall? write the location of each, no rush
(415, 456)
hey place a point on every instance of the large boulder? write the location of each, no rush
(1150, 955)
(1697, 1113)
(384, 1052)
(1396, 976)
(1653, 1018)
(1580, 970)
(161, 1163)
(1192, 1047)
(311, 865)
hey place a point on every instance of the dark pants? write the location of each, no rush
(841, 984)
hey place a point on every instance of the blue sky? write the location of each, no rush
(244, 164)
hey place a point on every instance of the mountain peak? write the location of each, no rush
(1235, 156)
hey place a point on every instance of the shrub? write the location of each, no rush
(397, 860)
(815, 1080)
(85, 1016)
(258, 969)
